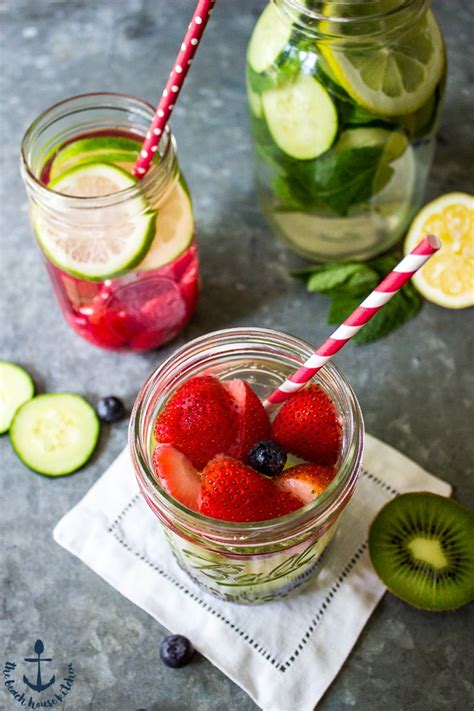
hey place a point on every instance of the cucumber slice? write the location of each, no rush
(301, 117)
(115, 242)
(55, 434)
(270, 36)
(174, 230)
(255, 102)
(394, 142)
(98, 149)
(16, 387)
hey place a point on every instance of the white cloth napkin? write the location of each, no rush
(284, 654)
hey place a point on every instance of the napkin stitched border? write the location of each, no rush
(280, 666)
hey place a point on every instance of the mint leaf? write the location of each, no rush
(344, 178)
(346, 284)
(350, 278)
(335, 181)
(396, 312)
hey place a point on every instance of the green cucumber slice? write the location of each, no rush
(16, 388)
(394, 142)
(98, 149)
(55, 434)
(255, 102)
(270, 36)
(119, 236)
(301, 117)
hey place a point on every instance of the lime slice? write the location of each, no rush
(119, 150)
(392, 79)
(173, 232)
(102, 243)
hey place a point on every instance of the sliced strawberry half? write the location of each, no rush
(254, 423)
(306, 481)
(177, 475)
(232, 491)
(307, 425)
(200, 420)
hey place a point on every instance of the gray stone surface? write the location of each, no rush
(414, 386)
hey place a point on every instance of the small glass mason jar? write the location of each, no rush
(246, 562)
(344, 104)
(147, 299)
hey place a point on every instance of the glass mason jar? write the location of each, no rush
(246, 562)
(344, 104)
(151, 289)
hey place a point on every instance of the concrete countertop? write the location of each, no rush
(414, 386)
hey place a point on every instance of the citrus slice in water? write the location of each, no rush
(448, 278)
(173, 232)
(394, 78)
(100, 243)
(119, 150)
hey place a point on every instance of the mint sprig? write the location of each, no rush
(347, 283)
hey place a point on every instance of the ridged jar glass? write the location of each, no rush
(149, 300)
(344, 101)
(246, 562)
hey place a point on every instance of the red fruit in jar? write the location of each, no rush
(307, 425)
(200, 419)
(232, 491)
(177, 475)
(306, 481)
(254, 423)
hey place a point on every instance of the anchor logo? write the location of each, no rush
(39, 686)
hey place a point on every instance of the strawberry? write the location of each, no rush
(254, 421)
(306, 481)
(177, 475)
(200, 419)
(307, 425)
(232, 491)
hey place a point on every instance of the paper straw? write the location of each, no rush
(173, 86)
(385, 291)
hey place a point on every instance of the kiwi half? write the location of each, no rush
(422, 548)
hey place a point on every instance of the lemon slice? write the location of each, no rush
(394, 78)
(448, 278)
(100, 243)
(174, 230)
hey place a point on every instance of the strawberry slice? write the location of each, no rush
(177, 475)
(232, 491)
(306, 481)
(307, 425)
(200, 419)
(254, 423)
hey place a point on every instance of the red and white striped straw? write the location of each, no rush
(173, 86)
(385, 291)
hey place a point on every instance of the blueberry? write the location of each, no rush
(176, 651)
(110, 409)
(267, 457)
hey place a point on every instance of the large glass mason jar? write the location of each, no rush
(247, 562)
(120, 253)
(344, 104)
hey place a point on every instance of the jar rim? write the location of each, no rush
(341, 27)
(307, 517)
(167, 150)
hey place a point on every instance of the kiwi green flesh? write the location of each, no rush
(422, 548)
